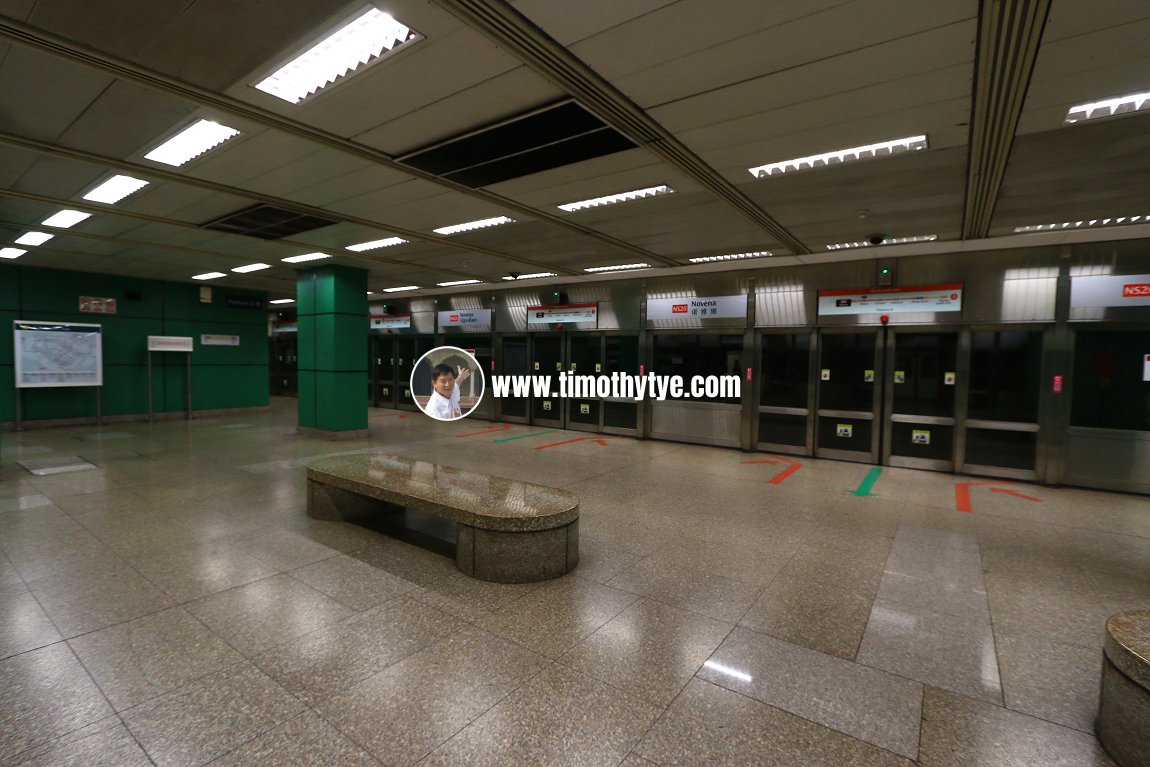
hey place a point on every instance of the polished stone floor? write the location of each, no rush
(175, 606)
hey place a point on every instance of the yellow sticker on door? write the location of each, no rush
(920, 437)
(844, 430)
(900, 376)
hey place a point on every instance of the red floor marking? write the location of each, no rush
(782, 475)
(602, 442)
(391, 415)
(962, 493)
(503, 427)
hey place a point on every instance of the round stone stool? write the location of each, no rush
(1123, 723)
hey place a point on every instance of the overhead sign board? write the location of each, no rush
(922, 298)
(94, 305)
(465, 318)
(567, 314)
(214, 339)
(1110, 290)
(391, 322)
(712, 307)
(170, 343)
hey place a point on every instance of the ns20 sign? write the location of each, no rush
(1138, 290)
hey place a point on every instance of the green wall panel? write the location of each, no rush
(70, 402)
(7, 393)
(339, 401)
(9, 286)
(54, 292)
(306, 346)
(6, 349)
(340, 345)
(182, 302)
(222, 386)
(305, 390)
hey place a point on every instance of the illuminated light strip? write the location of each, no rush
(305, 257)
(251, 268)
(115, 189)
(612, 199)
(841, 156)
(198, 138)
(282, 301)
(11, 252)
(208, 276)
(470, 225)
(66, 219)
(350, 49)
(459, 282)
(887, 241)
(617, 268)
(1083, 224)
(404, 287)
(33, 238)
(532, 276)
(384, 243)
(1120, 105)
(731, 256)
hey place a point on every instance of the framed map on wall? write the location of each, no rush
(50, 354)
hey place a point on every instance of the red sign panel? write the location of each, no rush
(679, 309)
(93, 305)
(1137, 290)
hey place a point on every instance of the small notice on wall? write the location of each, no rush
(216, 340)
(1146, 368)
(93, 305)
(169, 343)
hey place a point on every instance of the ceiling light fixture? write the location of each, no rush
(305, 257)
(385, 243)
(66, 219)
(617, 268)
(481, 224)
(191, 142)
(840, 156)
(208, 276)
(611, 199)
(459, 282)
(11, 252)
(282, 301)
(1083, 224)
(33, 238)
(1120, 105)
(251, 268)
(731, 257)
(536, 275)
(886, 241)
(405, 287)
(350, 49)
(115, 189)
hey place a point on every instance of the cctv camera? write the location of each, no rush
(877, 239)
(513, 275)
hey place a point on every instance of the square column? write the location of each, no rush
(332, 311)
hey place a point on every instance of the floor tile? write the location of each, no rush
(955, 653)
(106, 743)
(871, 705)
(306, 741)
(705, 593)
(710, 725)
(45, 694)
(650, 649)
(25, 625)
(561, 717)
(1050, 680)
(194, 724)
(146, 657)
(260, 615)
(558, 615)
(78, 607)
(22, 502)
(960, 731)
(352, 582)
(410, 708)
(198, 570)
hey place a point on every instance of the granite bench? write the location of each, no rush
(508, 531)
(1123, 724)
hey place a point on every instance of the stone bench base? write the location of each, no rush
(1123, 723)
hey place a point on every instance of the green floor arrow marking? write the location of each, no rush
(525, 436)
(864, 489)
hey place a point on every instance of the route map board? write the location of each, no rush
(50, 354)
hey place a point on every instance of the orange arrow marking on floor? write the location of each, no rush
(503, 427)
(962, 493)
(602, 442)
(782, 475)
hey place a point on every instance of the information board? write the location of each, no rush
(925, 298)
(50, 354)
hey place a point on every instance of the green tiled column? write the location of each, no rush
(332, 308)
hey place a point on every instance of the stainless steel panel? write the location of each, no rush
(783, 410)
(919, 463)
(708, 423)
(772, 447)
(1001, 425)
(845, 455)
(934, 420)
(1110, 460)
(998, 471)
(1103, 258)
(862, 415)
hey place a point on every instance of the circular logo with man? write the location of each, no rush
(447, 383)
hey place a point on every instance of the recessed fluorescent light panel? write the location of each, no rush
(208, 276)
(459, 282)
(115, 189)
(191, 142)
(251, 268)
(532, 276)
(11, 252)
(305, 257)
(66, 219)
(282, 301)
(481, 224)
(611, 199)
(405, 287)
(385, 243)
(617, 268)
(34, 238)
(1121, 105)
(841, 156)
(731, 257)
(1083, 224)
(347, 51)
(887, 241)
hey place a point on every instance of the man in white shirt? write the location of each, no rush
(444, 402)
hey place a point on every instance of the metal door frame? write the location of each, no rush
(561, 421)
(376, 339)
(961, 399)
(603, 428)
(758, 408)
(875, 415)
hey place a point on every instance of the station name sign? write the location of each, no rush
(465, 318)
(919, 298)
(1110, 290)
(690, 307)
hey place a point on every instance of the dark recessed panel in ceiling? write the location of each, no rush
(537, 141)
(267, 222)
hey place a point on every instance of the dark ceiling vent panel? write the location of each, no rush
(539, 140)
(267, 222)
